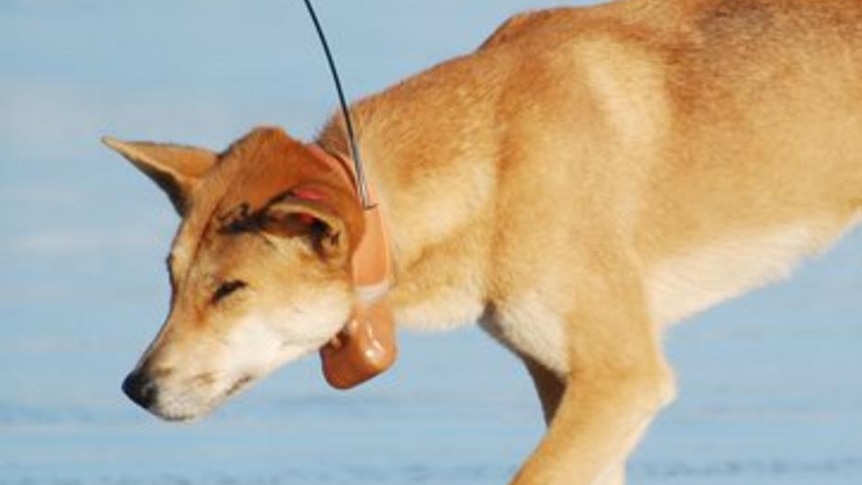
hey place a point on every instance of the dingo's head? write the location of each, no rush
(259, 268)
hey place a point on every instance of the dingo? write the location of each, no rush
(585, 178)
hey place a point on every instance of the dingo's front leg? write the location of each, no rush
(550, 389)
(548, 385)
(617, 382)
(615, 475)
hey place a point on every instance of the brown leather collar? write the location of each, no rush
(365, 347)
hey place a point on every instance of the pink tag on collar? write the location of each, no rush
(307, 194)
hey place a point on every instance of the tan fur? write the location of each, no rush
(586, 177)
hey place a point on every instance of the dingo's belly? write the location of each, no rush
(686, 283)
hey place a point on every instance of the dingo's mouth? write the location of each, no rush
(185, 406)
(241, 384)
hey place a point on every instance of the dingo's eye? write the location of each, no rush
(226, 289)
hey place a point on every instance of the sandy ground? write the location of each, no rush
(770, 384)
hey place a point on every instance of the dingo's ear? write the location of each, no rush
(296, 216)
(176, 169)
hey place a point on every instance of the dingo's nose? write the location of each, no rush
(140, 389)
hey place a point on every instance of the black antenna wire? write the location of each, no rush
(361, 185)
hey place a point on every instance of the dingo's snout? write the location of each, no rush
(140, 389)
